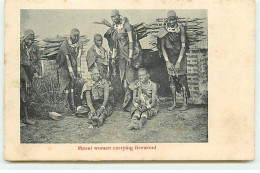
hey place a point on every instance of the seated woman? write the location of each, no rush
(145, 100)
(96, 93)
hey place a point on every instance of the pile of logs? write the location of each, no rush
(50, 46)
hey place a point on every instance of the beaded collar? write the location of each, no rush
(148, 85)
(75, 45)
(119, 26)
(175, 29)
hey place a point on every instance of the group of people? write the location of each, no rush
(125, 55)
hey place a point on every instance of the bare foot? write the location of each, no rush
(137, 124)
(100, 121)
(90, 127)
(22, 124)
(73, 108)
(31, 122)
(130, 126)
(95, 121)
(66, 103)
(143, 120)
(184, 107)
(172, 108)
(89, 121)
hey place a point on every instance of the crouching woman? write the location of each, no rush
(96, 93)
(145, 100)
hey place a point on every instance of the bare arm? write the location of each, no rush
(70, 67)
(134, 98)
(183, 39)
(69, 63)
(131, 43)
(27, 81)
(39, 62)
(129, 31)
(79, 61)
(114, 53)
(163, 41)
(24, 75)
(154, 94)
(89, 101)
(106, 95)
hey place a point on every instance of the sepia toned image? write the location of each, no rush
(114, 76)
(135, 81)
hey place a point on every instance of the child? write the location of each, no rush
(145, 100)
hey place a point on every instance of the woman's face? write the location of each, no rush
(74, 38)
(143, 76)
(98, 41)
(95, 76)
(172, 21)
(116, 18)
(29, 40)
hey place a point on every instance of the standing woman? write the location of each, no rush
(69, 66)
(30, 63)
(126, 49)
(172, 43)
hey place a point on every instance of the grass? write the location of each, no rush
(45, 97)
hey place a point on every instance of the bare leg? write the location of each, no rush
(127, 98)
(27, 120)
(173, 90)
(101, 119)
(72, 97)
(66, 97)
(185, 105)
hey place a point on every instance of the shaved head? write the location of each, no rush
(98, 39)
(97, 36)
(94, 70)
(95, 74)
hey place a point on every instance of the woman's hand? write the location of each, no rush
(177, 66)
(169, 65)
(72, 75)
(79, 75)
(92, 110)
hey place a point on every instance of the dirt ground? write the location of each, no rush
(190, 126)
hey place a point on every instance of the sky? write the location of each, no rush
(50, 23)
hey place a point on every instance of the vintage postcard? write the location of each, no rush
(133, 80)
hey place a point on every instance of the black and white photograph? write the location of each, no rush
(113, 76)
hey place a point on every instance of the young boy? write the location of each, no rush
(145, 100)
(96, 92)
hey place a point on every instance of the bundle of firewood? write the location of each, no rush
(194, 28)
(51, 46)
(140, 28)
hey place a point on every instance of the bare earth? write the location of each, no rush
(190, 126)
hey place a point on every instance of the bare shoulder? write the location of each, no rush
(154, 86)
(128, 26)
(182, 28)
(105, 83)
